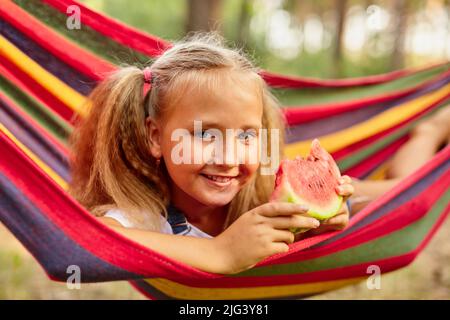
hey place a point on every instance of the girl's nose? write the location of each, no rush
(227, 157)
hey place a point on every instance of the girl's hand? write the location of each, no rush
(341, 219)
(260, 233)
(345, 189)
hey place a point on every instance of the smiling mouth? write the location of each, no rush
(219, 180)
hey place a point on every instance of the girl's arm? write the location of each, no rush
(254, 236)
(200, 253)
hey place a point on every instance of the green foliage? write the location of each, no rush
(163, 18)
(167, 19)
(85, 37)
(324, 95)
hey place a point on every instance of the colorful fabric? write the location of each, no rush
(45, 74)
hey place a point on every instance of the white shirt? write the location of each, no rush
(192, 230)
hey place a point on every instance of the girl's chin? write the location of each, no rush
(212, 195)
(215, 200)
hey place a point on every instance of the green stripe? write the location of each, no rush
(313, 96)
(394, 244)
(43, 115)
(118, 54)
(85, 37)
(371, 149)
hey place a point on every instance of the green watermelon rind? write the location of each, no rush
(288, 195)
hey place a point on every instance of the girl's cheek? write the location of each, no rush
(252, 159)
(251, 171)
(186, 152)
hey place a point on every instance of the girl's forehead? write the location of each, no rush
(218, 81)
(230, 103)
(220, 89)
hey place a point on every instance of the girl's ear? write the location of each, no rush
(154, 136)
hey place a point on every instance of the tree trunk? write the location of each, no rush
(203, 15)
(400, 10)
(341, 10)
(244, 23)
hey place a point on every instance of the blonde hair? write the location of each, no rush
(111, 164)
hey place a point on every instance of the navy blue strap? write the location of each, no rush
(176, 219)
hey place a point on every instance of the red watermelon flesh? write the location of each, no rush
(311, 181)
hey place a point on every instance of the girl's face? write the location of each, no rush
(205, 176)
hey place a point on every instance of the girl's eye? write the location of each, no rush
(247, 136)
(204, 134)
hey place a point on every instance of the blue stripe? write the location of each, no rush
(394, 203)
(54, 250)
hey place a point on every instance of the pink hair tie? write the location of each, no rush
(147, 81)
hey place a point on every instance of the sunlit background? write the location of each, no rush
(322, 38)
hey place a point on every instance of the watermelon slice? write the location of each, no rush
(311, 181)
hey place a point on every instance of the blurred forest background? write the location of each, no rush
(318, 38)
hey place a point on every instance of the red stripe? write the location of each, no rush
(283, 81)
(406, 215)
(80, 225)
(357, 146)
(96, 240)
(352, 271)
(73, 55)
(406, 183)
(96, 67)
(347, 151)
(302, 114)
(117, 249)
(116, 30)
(115, 246)
(154, 46)
(5, 73)
(61, 43)
(375, 159)
(54, 142)
(22, 80)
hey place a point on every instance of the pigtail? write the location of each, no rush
(112, 165)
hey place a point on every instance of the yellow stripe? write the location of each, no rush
(180, 291)
(379, 173)
(60, 181)
(383, 121)
(59, 89)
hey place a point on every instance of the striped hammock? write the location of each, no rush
(47, 70)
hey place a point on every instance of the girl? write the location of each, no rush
(124, 170)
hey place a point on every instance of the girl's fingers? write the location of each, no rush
(283, 236)
(339, 220)
(273, 209)
(294, 221)
(279, 247)
(344, 207)
(345, 190)
(345, 180)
